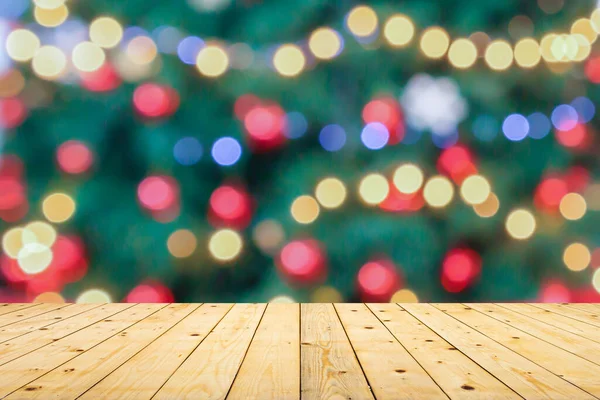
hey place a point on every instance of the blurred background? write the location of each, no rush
(299, 150)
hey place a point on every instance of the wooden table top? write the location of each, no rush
(291, 351)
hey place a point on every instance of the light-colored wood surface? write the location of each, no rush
(299, 351)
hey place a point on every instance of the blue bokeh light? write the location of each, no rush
(564, 117)
(296, 125)
(226, 151)
(332, 137)
(585, 108)
(187, 151)
(485, 128)
(167, 39)
(411, 135)
(375, 136)
(13, 9)
(188, 49)
(539, 125)
(515, 127)
(446, 140)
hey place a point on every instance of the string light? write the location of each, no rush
(49, 62)
(88, 57)
(577, 257)
(51, 18)
(434, 42)
(573, 206)
(520, 224)
(330, 192)
(106, 32)
(22, 45)
(373, 189)
(408, 178)
(305, 209)
(325, 43)
(499, 55)
(475, 189)
(93, 296)
(462, 53)
(58, 207)
(225, 245)
(362, 21)
(399, 30)
(212, 61)
(289, 60)
(181, 243)
(438, 191)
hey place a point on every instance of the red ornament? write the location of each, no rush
(230, 205)
(302, 262)
(554, 292)
(150, 292)
(460, 268)
(74, 157)
(265, 125)
(386, 110)
(592, 69)
(103, 79)
(378, 280)
(12, 112)
(160, 196)
(152, 100)
(457, 163)
(549, 193)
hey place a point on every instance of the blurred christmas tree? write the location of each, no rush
(303, 150)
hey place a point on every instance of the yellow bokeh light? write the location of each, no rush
(462, 53)
(326, 294)
(12, 83)
(282, 299)
(596, 280)
(106, 32)
(527, 53)
(268, 236)
(58, 207)
(595, 20)
(88, 56)
(584, 48)
(592, 196)
(399, 30)
(499, 55)
(22, 44)
(34, 258)
(39, 232)
(434, 42)
(305, 209)
(362, 21)
(577, 256)
(225, 245)
(51, 18)
(564, 47)
(12, 242)
(330, 192)
(438, 191)
(93, 296)
(475, 189)
(584, 27)
(49, 4)
(404, 296)
(181, 243)
(373, 189)
(488, 208)
(546, 47)
(573, 206)
(520, 224)
(49, 62)
(212, 61)
(324, 43)
(141, 50)
(49, 297)
(408, 178)
(289, 60)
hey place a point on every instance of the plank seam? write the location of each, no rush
(565, 315)
(20, 309)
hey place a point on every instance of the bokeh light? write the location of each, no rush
(499, 55)
(438, 191)
(302, 262)
(12, 242)
(475, 189)
(141, 50)
(564, 117)
(305, 209)
(189, 48)
(434, 42)
(74, 157)
(51, 18)
(22, 45)
(152, 100)
(330, 192)
(404, 296)
(88, 57)
(230, 205)
(268, 236)
(377, 281)
(332, 137)
(325, 43)
(157, 193)
(212, 61)
(375, 136)
(362, 21)
(49, 62)
(106, 32)
(520, 224)
(515, 127)
(226, 151)
(289, 60)
(460, 267)
(585, 108)
(373, 189)
(577, 256)
(485, 127)
(225, 245)
(182, 243)
(488, 208)
(462, 53)
(187, 151)
(295, 125)
(93, 296)
(539, 125)
(527, 53)
(58, 207)
(326, 294)
(399, 30)
(49, 297)
(408, 178)
(573, 206)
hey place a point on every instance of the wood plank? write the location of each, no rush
(211, 368)
(587, 331)
(579, 315)
(329, 368)
(271, 368)
(568, 341)
(389, 368)
(23, 370)
(24, 344)
(76, 376)
(12, 307)
(588, 307)
(144, 374)
(23, 314)
(572, 368)
(522, 375)
(44, 320)
(457, 375)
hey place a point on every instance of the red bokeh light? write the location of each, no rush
(592, 69)
(265, 126)
(12, 194)
(302, 262)
(378, 280)
(460, 268)
(12, 112)
(11, 166)
(549, 193)
(150, 292)
(160, 196)
(386, 110)
(155, 101)
(244, 104)
(576, 138)
(69, 258)
(230, 206)
(74, 157)
(104, 79)
(457, 163)
(397, 201)
(554, 292)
